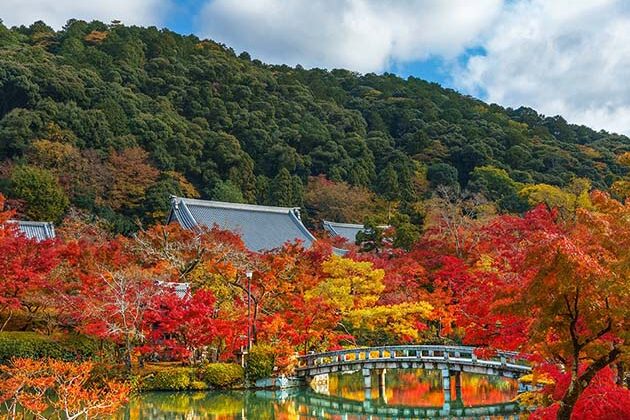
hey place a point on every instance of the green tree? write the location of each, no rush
(372, 237)
(227, 191)
(44, 198)
(496, 185)
(387, 183)
(406, 234)
(442, 174)
(198, 109)
(286, 190)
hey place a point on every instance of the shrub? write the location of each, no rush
(172, 379)
(104, 372)
(223, 375)
(260, 361)
(36, 346)
(198, 386)
(83, 346)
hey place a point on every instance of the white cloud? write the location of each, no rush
(56, 12)
(562, 57)
(567, 57)
(361, 35)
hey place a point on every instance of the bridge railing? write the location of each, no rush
(433, 353)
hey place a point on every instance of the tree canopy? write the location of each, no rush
(122, 116)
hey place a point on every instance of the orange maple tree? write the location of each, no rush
(48, 387)
(556, 288)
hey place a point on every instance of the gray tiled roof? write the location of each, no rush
(36, 230)
(180, 289)
(348, 231)
(261, 227)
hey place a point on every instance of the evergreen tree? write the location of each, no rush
(286, 190)
(227, 191)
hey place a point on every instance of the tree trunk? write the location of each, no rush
(7, 321)
(128, 354)
(623, 379)
(254, 330)
(568, 401)
(580, 382)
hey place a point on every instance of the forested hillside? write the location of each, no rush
(112, 119)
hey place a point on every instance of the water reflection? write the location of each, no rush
(408, 394)
(418, 388)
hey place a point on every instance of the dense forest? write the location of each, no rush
(111, 120)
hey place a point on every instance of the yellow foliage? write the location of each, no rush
(188, 189)
(624, 159)
(567, 200)
(96, 37)
(400, 320)
(533, 399)
(53, 155)
(590, 152)
(621, 188)
(484, 263)
(349, 284)
(536, 378)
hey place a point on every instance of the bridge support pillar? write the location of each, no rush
(367, 378)
(367, 383)
(446, 385)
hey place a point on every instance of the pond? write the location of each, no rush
(411, 393)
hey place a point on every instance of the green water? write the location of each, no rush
(407, 394)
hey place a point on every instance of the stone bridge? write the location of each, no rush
(451, 360)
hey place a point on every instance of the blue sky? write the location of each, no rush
(181, 19)
(567, 57)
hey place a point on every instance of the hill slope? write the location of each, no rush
(112, 119)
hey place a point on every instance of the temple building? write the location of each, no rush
(261, 227)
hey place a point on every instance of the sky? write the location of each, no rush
(566, 57)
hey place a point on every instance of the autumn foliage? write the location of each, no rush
(57, 389)
(552, 286)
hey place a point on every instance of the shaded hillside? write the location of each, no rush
(113, 119)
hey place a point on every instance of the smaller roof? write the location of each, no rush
(180, 289)
(39, 231)
(348, 231)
